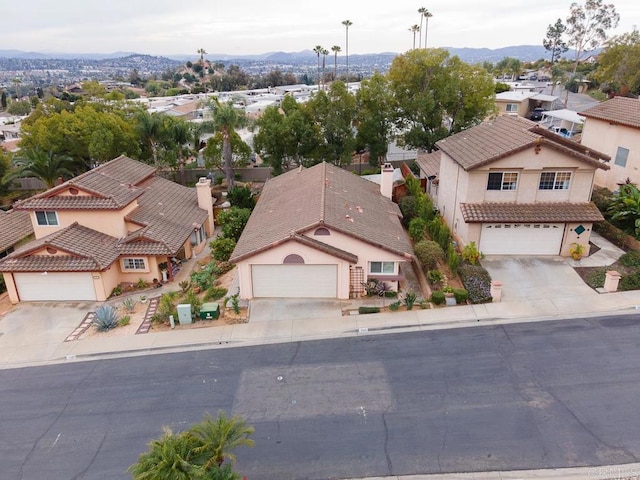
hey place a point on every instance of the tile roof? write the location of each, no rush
(620, 110)
(429, 163)
(326, 195)
(87, 251)
(14, 226)
(170, 213)
(506, 135)
(111, 186)
(530, 212)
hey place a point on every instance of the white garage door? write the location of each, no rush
(521, 238)
(297, 281)
(60, 286)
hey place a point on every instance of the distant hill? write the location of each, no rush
(525, 53)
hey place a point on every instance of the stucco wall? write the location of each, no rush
(606, 138)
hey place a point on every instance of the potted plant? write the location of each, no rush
(143, 299)
(449, 296)
(576, 251)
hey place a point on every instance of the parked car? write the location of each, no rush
(536, 114)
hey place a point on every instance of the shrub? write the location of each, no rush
(235, 303)
(428, 253)
(195, 302)
(233, 220)
(435, 277)
(407, 206)
(241, 197)
(424, 304)
(184, 285)
(366, 310)
(453, 259)
(461, 295)
(129, 304)
(394, 306)
(106, 318)
(214, 293)
(116, 291)
(630, 282)
(371, 287)
(437, 297)
(477, 281)
(417, 229)
(166, 304)
(471, 254)
(222, 248)
(410, 299)
(223, 267)
(203, 279)
(630, 259)
(124, 321)
(142, 284)
(595, 278)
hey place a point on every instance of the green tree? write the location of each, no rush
(437, 95)
(374, 117)
(170, 457)
(619, 64)
(232, 221)
(214, 151)
(47, 167)
(587, 26)
(3, 100)
(226, 119)
(152, 132)
(19, 107)
(219, 437)
(553, 42)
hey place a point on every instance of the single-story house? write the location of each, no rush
(117, 223)
(321, 232)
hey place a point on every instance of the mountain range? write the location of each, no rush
(524, 53)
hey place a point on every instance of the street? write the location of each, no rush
(520, 396)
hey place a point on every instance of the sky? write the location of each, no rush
(172, 27)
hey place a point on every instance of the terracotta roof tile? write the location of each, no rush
(620, 110)
(14, 226)
(429, 163)
(86, 250)
(505, 136)
(326, 195)
(530, 212)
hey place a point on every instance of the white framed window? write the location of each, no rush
(47, 218)
(385, 268)
(622, 154)
(502, 181)
(512, 108)
(554, 181)
(133, 264)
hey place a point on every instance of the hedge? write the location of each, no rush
(477, 281)
(365, 310)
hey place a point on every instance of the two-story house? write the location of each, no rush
(117, 223)
(322, 232)
(513, 187)
(613, 127)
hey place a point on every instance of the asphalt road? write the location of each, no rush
(522, 396)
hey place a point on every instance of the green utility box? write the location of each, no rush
(209, 311)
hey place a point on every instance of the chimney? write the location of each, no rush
(386, 180)
(203, 188)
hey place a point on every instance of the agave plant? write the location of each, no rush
(106, 318)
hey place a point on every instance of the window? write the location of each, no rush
(133, 264)
(47, 218)
(502, 181)
(554, 181)
(387, 268)
(512, 107)
(621, 157)
(322, 231)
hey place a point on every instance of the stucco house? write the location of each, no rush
(15, 229)
(522, 102)
(515, 188)
(613, 127)
(321, 232)
(117, 223)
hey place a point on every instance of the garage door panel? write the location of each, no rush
(521, 239)
(55, 286)
(294, 281)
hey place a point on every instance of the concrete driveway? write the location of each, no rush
(532, 278)
(268, 309)
(32, 332)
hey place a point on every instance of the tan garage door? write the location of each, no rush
(295, 281)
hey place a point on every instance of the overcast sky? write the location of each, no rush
(168, 27)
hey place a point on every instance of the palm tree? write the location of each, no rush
(168, 458)
(421, 11)
(151, 129)
(180, 134)
(226, 118)
(427, 14)
(318, 50)
(347, 24)
(202, 53)
(324, 52)
(47, 167)
(335, 49)
(218, 437)
(414, 29)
